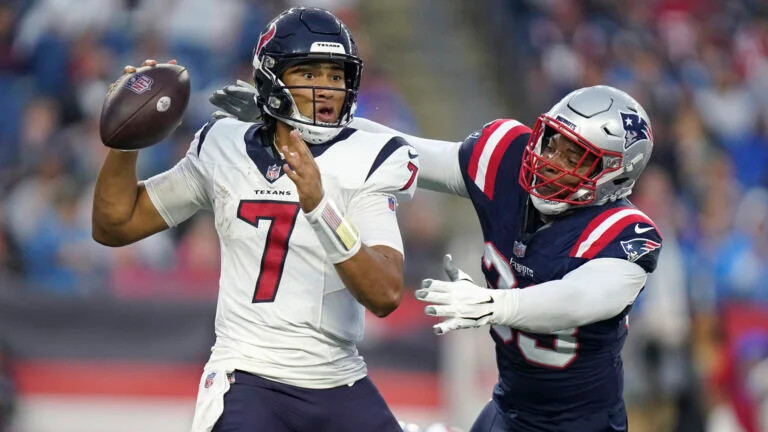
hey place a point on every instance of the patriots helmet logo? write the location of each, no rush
(638, 247)
(635, 128)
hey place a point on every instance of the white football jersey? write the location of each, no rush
(283, 312)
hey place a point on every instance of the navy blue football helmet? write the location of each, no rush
(300, 35)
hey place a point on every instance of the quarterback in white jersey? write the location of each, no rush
(277, 281)
(308, 233)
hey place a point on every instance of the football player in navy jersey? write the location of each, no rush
(556, 222)
(553, 210)
(304, 208)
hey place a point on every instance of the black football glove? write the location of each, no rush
(237, 100)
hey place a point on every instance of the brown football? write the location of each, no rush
(144, 107)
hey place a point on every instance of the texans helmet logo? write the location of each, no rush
(635, 128)
(638, 247)
(265, 38)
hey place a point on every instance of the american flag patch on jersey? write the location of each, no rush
(209, 379)
(139, 83)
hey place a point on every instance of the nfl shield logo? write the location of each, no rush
(392, 204)
(519, 249)
(139, 83)
(273, 172)
(209, 379)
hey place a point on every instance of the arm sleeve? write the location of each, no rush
(375, 218)
(180, 192)
(439, 160)
(598, 290)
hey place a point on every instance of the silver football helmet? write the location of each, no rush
(615, 133)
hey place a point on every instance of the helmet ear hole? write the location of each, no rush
(597, 170)
(620, 181)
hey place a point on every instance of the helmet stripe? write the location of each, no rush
(604, 228)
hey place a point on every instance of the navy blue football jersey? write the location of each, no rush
(563, 376)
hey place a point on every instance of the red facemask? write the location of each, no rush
(550, 187)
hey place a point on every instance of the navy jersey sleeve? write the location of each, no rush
(490, 160)
(621, 232)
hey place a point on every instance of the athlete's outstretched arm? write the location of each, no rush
(440, 170)
(439, 160)
(597, 290)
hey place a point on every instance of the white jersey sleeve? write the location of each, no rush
(181, 191)
(441, 171)
(391, 178)
(375, 218)
(595, 291)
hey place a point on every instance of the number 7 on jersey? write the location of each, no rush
(283, 217)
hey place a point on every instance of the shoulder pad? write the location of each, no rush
(394, 169)
(219, 140)
(621, 232)
(481, 152)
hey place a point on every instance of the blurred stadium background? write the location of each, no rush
(99, 339)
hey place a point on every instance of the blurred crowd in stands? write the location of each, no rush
(698, 350)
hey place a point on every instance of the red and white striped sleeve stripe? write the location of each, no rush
(605, 228)
(489, 150)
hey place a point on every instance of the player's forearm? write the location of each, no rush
(115, 194)
(375, 278)
(598, 290)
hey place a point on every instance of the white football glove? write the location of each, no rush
(465, 304)
(237, 100)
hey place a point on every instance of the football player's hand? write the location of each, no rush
(238, 100)
(454, 273)
(464, 304)
(303, 171)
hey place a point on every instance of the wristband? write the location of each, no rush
(338, 236)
